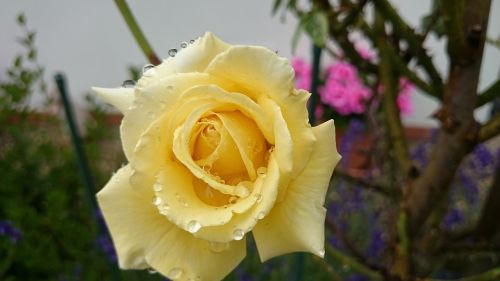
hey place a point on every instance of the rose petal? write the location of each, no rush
(249, 140)
(297, 223)
(143, 238)
(122, 208)
(179, 256)
(152, 101)
(257, 69)
(181, 149)
(121, 98)
(264, 76)
(180, 203)
(154, 148)
(262, 198)
(194, 58)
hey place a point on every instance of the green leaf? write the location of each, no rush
(433, 21)
(21, 19)
(18, 61)
(32, 54)
(276, 6)
(31, 36)
(315, 24)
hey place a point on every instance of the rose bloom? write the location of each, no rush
(219, 144)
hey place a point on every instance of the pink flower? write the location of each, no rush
(344, 91)
(366, 53)
(302, 74)
(404, 102)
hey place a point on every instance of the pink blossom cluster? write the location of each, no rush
(344, 90)
(406, 89)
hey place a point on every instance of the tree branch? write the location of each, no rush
(396, 132)
(356, 266)
(491, 93)
(491, 275)
(369, 184)
(488, 224)
(490, 129)
(402, 29)
(399, 64)
(332, 226)
(459, 130)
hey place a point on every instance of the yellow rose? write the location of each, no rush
(219, 144)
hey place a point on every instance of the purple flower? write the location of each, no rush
(242, 275)
(452, 218)
(106, 245)
(357, 277)
(377, 244)
(471, 188)
(354, 130)
(9, 230)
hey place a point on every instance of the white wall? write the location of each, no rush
(89, 41)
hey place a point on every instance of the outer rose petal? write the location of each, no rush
(297, 223)
(194, 58)
(121, 98)
(144, 238)
(256, 69)
(153, 100)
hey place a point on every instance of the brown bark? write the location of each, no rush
(488, 224)
(466, 27)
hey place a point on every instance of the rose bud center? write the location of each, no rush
(230, 148)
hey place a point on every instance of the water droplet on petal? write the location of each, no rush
(158, 187)
(175, 273)
(128, 84)
(218, 247)
(152, 271)
(191, 41)
(243, 188)
(261, 171)
(232, 199)
(322, 253)
(183, 201)
(193, 226)
(147, 67)
(261, 215)
(241, 191)
(164, 209)
(172, 52)
(258, 197)
(184, 44)
(157, 201)
(238, 234)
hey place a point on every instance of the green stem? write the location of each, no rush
(403, 251)
(490, 129)
(489, 94)
(313, 102)
(328, 268)
(137, 32)
(491, 275)
(453, 21)
(356, 266)
(402, 29)
(396, 132)
(399, 64)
